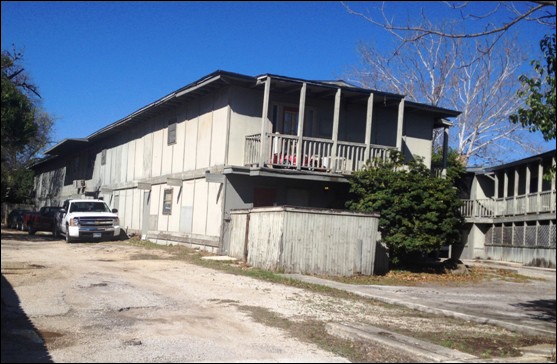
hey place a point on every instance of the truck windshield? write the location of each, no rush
(89, 207)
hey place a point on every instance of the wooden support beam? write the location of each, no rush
(369, 117)
(264, 122)
(445, 151)
(301, 114)
(336, 120)
(399, 125)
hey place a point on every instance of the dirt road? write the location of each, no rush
(112, 302)
(103, 303)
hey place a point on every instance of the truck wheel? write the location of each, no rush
(30, 230)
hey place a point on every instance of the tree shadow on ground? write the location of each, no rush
(428, 265)
(23, 236)
(543, 310)
(21, 341)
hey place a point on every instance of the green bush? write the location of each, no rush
(419, 213)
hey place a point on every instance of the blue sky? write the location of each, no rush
(97, 62)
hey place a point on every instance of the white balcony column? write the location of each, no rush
(505, 192)
(264, 122)
(552, 193)
(369, 117)
(445, 151)
(336, 119)
(301, 114)
(540, 186)
(527, 187)
(496, 195)
(515, 190)
(505, 184)
(399, 125)
(553, 175)
(516, 181)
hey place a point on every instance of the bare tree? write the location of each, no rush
(444, 64)
(488, 19)
(439, 71)
(13, 70)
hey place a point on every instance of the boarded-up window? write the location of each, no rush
(171, 132)
(167, 202)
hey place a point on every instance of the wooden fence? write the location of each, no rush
(307, 241)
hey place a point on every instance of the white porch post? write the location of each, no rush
(369, 117)
(527, 188)
(553, 176)
(552, 193)
(301, 114)
(540, 186)
(336, 118)
(496, 187)
(505, 184)
(515, 190)
(399, 125)
(264, 121)
(445, 151)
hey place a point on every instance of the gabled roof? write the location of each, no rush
(222, 78)
(534, 158)
(67, 145)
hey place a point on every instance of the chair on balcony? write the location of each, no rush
(314, 163)
(340, 163)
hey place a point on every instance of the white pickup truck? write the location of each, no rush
(87, 219)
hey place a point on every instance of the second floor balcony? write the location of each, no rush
(532, 203)
(314, 154)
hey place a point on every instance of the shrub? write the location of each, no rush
(419, 213)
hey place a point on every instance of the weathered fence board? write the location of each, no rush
(307, 240)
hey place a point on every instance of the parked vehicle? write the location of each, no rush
(87, 219)
(43, 220)
(15, 218)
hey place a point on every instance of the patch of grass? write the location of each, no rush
(315, 332)
(194, 256)
(401, 277)
(504, 345)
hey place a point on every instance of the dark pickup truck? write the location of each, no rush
(43, 220)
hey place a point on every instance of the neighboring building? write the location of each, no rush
(510, 213)
(177, 167)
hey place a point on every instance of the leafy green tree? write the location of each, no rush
(419, 213)
(539, 94)
(455, 167)
(26, 128)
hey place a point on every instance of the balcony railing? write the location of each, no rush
(531, 203)
(316, 154)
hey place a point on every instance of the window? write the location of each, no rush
(171, 132)
(290, 121)
(167, 202)
(285, 120)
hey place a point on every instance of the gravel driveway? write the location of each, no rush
(112, 302)
(99, 303)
